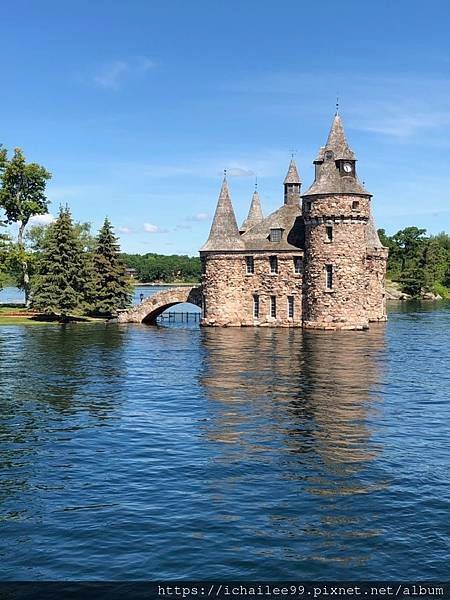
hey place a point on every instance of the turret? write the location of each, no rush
(292, 185)
(255, 214)
(224, 234)
(336, 210)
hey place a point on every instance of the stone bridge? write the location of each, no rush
(153, 306)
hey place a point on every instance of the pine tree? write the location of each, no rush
(112, 286)
(61, 285)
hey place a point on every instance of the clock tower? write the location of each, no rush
(336, 211)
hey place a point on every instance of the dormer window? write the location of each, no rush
(275, 235)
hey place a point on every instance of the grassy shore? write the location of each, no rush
(18, 315)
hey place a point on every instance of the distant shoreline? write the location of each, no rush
(137, 284)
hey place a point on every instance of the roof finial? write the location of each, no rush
(224, 173)
(256, 183)
(337, 105)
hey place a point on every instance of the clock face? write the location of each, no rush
(348, 167)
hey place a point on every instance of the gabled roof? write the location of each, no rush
(292, 175)
(255, 214)
(224, 234)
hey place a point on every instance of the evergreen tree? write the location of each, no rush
(61, 285)
(112, 286)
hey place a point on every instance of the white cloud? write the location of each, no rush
(124, 230)
(201, 216)
(150, 228)
(42, 219)
(112, 75)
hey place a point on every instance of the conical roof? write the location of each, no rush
(255, 214)
(292, 175)
(373, 240)
(337, 142)
(224, 234)
(329, 180)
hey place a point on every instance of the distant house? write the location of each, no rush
(130, 272)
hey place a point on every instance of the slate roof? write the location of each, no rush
(255, 214)
(224, 234)
(292, 175)
(373, 241)
(289, 219)
(329, 180)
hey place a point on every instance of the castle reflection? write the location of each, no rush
(305, 402)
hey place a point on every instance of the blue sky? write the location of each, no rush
(137, 107)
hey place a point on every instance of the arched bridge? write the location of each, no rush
(153, 306)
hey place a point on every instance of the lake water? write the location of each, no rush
(137, 452)
(12, 295)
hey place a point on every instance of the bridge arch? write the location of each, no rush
(150, 308)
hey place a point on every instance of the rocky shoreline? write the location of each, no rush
(393, 292)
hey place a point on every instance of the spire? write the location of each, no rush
(255, 214)
(331, 178)
(337, 142)
(292, 175)
(224, 234)
(292, 184)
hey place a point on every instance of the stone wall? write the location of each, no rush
(376, 260)
(343, 306)
(228, 290)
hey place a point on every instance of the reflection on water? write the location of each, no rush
(174, 452)
(314, 395)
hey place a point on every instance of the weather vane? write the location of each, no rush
(337, 105)
(224, 173)
(256, 182)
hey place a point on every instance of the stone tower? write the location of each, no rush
(292, 184)
(341, 290)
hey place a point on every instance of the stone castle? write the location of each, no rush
(316, 262)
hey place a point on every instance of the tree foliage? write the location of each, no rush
(112, 288)
(420, 263)
(63, 282)
(151, 268)
(22, 196)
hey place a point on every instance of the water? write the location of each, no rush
(135, 452)
(12, 295)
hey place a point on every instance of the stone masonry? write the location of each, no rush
(315, 262)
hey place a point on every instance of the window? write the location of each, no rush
(291, 307)
(298, 264)
(275, 235)
(203, 266)
(329, 232)
(355, 205)
(273, 306)
(273, 264)
(308, 205)
(250, 264)
(329, 277)
(256, 306)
